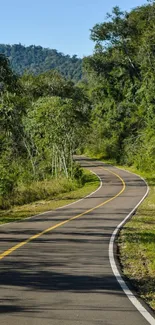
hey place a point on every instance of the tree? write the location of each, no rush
(55, 126)
(121, 82)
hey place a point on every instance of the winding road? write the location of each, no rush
(58, 267)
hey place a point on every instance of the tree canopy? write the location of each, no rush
(121, 86)
(45, 118)
(42, 122)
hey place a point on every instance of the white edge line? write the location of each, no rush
(64, 206)
(115, 270)
(122, 283)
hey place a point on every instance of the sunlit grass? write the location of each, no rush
(137, 242)
(56, 195)
(137, 245)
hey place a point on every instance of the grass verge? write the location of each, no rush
(136, 242)
(57, 194)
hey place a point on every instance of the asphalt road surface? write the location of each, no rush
(55, 268)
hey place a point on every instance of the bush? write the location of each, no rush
(8, 181)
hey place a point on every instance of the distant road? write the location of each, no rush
(55, 267)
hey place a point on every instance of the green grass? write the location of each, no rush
(136, 241)
(54, 194)
(137, 245)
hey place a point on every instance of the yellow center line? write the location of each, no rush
(14, 248)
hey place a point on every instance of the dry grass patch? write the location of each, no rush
(55, 196)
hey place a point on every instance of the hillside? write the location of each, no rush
(37, 59)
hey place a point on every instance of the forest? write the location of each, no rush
(36, 59)
(45, 118)
(121, 87)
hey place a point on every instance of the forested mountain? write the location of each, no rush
(36, 59)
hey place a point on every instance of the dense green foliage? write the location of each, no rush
(45, 118)
(42, 122)
(36, 60)
(121, 87)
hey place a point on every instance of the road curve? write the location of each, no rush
(55, 267)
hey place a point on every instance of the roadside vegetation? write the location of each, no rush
(136, 244)
(136, 240)
(45, 119)
(121, 86)
(48, 195)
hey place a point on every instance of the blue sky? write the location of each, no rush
(58, 24)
